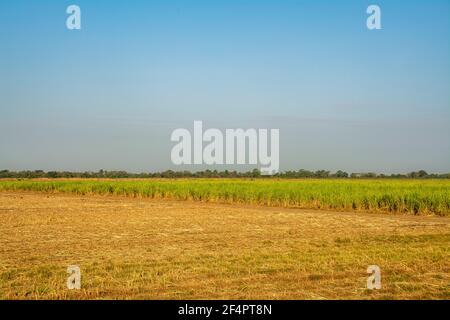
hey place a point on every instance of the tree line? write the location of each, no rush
(320, 174)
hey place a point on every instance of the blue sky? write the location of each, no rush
(109, 95)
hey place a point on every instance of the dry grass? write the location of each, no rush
(152, 249)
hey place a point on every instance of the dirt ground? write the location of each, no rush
(146, 249)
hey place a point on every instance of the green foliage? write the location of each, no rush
(386, 195)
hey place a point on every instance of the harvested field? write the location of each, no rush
(161, 249)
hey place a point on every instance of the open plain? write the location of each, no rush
(164, 249)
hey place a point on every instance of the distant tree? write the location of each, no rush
(419, 174)
(256, 173)
(52, 174)
(369, 175)
(322, 174)
(341, 174)
(422, 174)
(302, 173)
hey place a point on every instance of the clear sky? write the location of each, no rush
(109, 95)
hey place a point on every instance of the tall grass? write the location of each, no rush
(404, 196)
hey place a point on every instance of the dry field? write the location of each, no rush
(160, 249)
